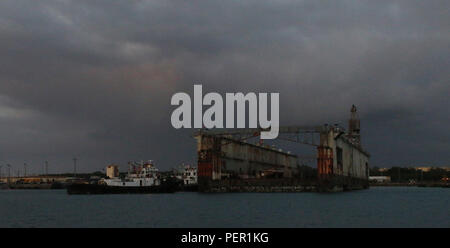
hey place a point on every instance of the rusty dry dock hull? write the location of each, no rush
(87, 189)
(341, 183)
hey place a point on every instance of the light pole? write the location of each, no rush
(46, 168)
(9, 173)
(75, 167)
(24, 169)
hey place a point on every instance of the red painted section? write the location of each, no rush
(205, 169)
(205, 164)
(324, 161)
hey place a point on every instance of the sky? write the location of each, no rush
(93, 79)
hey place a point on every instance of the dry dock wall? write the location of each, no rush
(342, 164)
(221, 158)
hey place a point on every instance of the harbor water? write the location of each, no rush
(375, 207)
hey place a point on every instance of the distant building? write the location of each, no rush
(420, 168)
(428, 168)
(380, 179)
(112, 171)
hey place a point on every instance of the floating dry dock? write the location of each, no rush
(227, 163)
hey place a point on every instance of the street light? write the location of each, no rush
(9, 173)
(75, 167)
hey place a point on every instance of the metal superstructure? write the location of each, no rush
(341, 161)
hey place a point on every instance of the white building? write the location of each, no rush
(112, 171)
(188, 174)
(380, 179)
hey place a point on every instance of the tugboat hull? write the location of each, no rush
(83, 189)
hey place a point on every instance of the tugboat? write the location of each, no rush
(141, 179)
(187, 177)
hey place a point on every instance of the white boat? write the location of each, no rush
(141, 179)
(145, 174)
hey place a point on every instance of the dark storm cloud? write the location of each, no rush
(93, 79)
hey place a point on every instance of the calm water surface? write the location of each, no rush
(376, 207)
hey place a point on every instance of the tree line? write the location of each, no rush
(406, 174)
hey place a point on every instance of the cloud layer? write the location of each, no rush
(93, 79)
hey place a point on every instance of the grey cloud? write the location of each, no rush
(93, 79)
